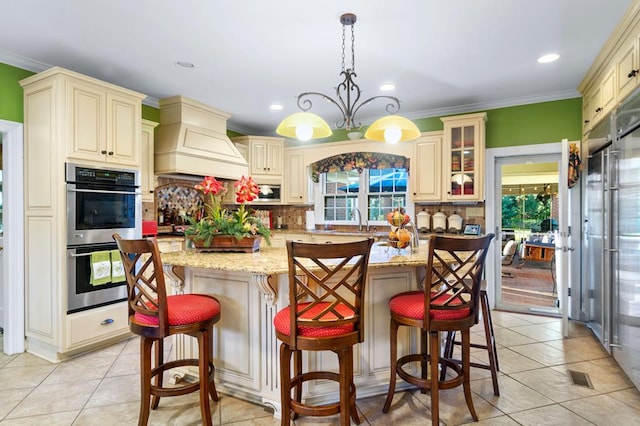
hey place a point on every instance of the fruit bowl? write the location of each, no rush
(398, 244)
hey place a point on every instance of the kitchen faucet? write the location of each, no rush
(353, 213)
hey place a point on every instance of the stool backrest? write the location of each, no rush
(327, 278)
(454, 276)
(146, 290)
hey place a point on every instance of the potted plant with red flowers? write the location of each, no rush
(220, 229)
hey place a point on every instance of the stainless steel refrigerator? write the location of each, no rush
(611, 296)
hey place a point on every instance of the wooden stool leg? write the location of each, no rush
(434, 359)
(145, 380)
(491, 341)
(466, 382)
(353, 408)
(159, 360)
(285, 384)
(448, 352)
(212, 383)
(345, 386)
(393, 345)
(424, 364)
(203, 346)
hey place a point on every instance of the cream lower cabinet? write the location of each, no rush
(426, 172)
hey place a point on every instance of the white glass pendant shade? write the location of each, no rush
(392, 129)
(304, 126)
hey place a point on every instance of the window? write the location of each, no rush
(374, 193)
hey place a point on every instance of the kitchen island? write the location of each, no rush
(253, 287)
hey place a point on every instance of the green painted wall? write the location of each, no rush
(543, 122)
(151, 113)
(512, 126)
(11, 104)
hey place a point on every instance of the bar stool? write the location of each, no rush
(449, 301)
(153, 316)
(489, 346)
(326, 296)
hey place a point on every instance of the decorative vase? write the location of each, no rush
(228, 243)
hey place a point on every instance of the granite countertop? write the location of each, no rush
(273, 260)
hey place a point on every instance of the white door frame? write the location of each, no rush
(492, 202)
(13, 254)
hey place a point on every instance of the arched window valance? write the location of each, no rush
(358, 161)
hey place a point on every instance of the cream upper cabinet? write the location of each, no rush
(426, 171)
(463, 157)
(627, 67)
(104, 125)
(264, 155)
(147, 172)
(298, 188)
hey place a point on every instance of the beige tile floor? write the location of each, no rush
(101, 388)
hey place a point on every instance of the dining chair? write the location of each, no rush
(153, 315)
(448, 301)
(325, 313)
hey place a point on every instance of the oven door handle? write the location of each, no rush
(100, 191)
(79, 255)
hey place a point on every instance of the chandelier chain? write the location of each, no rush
(353, 48)
(343, 39)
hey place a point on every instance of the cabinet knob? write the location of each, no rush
(151, 191)
(598, 109)
(103, 151)
(110, 152)
(586, 121)
(633, 73)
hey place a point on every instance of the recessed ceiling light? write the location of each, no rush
(544, 59)
(276, 107)
(387, 86)
(185, 65)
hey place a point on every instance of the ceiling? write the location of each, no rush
(443, 56)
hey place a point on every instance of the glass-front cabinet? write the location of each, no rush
(463, 153)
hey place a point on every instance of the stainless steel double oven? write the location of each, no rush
(100, 202)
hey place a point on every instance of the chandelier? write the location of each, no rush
(306, 125)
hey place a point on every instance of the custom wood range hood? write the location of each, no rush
(192, 141)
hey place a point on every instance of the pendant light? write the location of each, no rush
(305, 125)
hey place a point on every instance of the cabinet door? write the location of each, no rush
(259, 154)
(297, 185)
(427, 171)
(147, 175)
(463, 157)
(123, 131)
(274, 158)
(608, 91)
(86, 121)
(586, 114)
(627, 68)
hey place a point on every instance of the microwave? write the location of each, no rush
(268, 194)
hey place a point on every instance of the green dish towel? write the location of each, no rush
(100, 268)
(117, 269)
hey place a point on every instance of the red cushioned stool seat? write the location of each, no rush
(282, 321)
(185, 309)
(411, 305)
